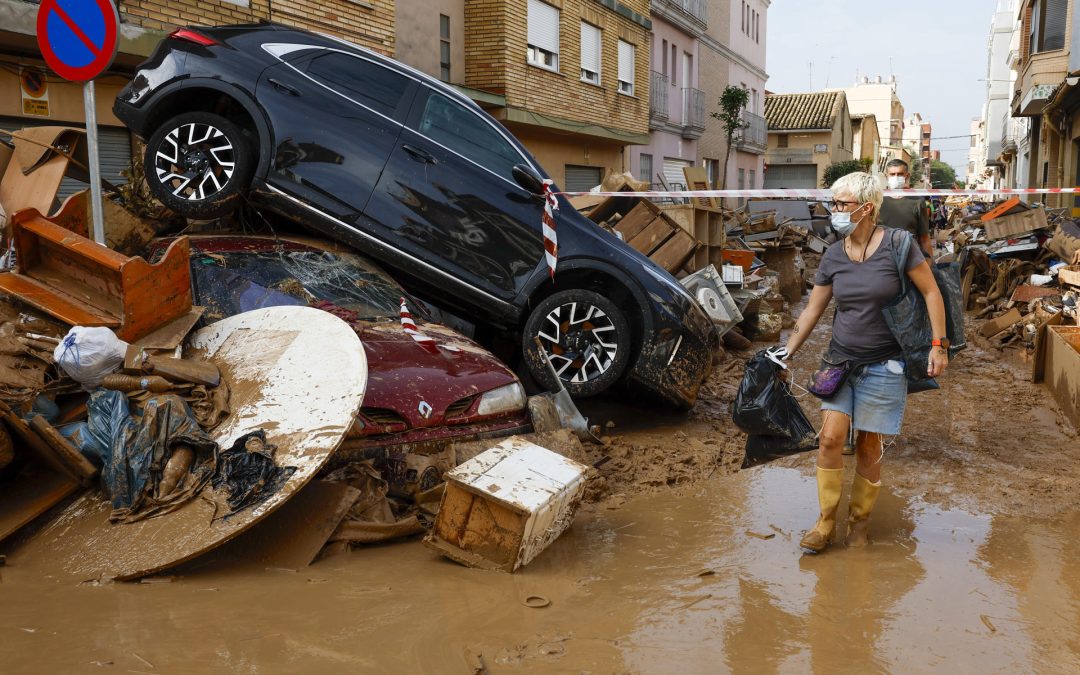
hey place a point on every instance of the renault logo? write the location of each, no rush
(424, 409)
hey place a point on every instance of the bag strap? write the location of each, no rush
(901, 247)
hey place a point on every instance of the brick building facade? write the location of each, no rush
(571, 125)
(370, 24)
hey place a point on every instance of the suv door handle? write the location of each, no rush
(281, 86)
(419, 155)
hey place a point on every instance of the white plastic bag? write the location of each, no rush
(87, 355)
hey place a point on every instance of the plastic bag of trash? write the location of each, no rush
(770, 416)
(87, 355)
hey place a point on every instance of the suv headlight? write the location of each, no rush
(501, 400)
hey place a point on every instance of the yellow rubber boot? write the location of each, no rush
(864, 495)
(829, 486)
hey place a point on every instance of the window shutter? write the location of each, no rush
(1053, 33)
(626, 62)
(543, 26)
(590, 47)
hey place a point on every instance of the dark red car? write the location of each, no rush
(418, 398)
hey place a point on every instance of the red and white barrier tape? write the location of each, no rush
(409, 326)
(551, 242)
(823, 195)
(551, 239)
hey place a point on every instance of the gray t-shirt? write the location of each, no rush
(861, 290)
(906, 213)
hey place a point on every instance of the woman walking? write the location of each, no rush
(860, 272)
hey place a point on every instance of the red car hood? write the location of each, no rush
(402, 374)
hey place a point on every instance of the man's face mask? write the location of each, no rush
(896, 182)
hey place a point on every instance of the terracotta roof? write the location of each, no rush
(816, 110)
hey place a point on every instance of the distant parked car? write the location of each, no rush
(414, 396)
(406, 169)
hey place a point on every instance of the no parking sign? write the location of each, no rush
(78, 38)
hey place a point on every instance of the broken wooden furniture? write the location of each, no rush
(84, 283)
(647, 229)
(298, 373)
(506, 505)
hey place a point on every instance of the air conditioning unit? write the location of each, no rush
(707, 287)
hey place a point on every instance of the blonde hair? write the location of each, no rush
(864, 187)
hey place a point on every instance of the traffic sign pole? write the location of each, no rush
(96, 207)
(79, 40)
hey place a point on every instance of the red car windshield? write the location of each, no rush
(233, 282)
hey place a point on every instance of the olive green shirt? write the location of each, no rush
(905, 213)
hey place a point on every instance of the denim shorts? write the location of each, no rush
(874, 398)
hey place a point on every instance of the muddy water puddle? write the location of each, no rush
(700, 579)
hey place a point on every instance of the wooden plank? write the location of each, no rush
(636, 220)
(1038, 359)
(698, 179)
(171, 335)
(33, 491)
(77, 465)
(21, 432)
(41, 297)
(995, 326)
(650, 238)
(674, 252)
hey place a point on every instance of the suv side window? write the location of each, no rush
(448, 123)
(375, 86)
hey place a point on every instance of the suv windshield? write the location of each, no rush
(239, 281)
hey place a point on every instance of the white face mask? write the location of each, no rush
(896, 182)
(841, 224)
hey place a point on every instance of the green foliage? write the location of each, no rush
(732, 102)
(941, 174)
(838, 169)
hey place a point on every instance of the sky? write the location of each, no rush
(936, 48)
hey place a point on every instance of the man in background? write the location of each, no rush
(906, 213)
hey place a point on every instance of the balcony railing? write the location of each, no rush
(693, 113)
(1008, 134)
(754, 137)
(695, 9)
(658, 97)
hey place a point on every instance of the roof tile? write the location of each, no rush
(816, 110)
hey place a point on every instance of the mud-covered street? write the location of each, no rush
(680, 563)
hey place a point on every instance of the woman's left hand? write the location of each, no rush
(939, 361)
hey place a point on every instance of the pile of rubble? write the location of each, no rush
(156, 430)
(747, 266)
(1020, 267)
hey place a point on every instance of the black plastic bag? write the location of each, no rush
(770, 416)
(909, 320)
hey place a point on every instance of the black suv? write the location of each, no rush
(405, 168)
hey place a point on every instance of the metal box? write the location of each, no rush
(506, 505)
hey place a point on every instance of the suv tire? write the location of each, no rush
(586, 337)
(199, 164)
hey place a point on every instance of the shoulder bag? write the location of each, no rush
(909, 320)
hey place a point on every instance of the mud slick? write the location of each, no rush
(677, 563)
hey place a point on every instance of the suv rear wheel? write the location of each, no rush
(584, 335)
(199, 164)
